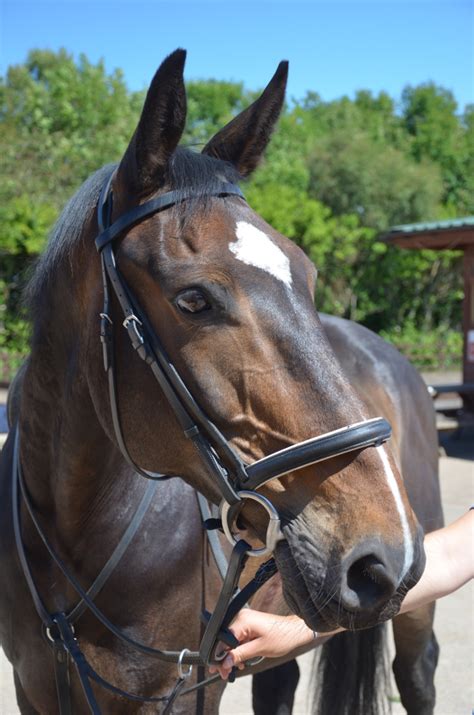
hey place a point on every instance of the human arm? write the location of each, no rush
(449, 565)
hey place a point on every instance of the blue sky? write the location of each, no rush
(334, 47)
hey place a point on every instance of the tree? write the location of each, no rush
(61, 120)
(356, 174)
(211, 104)
(430, 117)
(335, 174)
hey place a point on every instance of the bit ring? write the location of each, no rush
(274, 533)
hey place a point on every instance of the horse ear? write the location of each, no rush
(159, 129)
(243, 141)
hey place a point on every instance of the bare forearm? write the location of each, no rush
(449, 563)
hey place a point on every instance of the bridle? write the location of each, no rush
(237, 482)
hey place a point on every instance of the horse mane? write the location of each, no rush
(186, 169)
(65, 235)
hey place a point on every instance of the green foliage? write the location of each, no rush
(61, 120)
(357, 174)
(430, 117)
(211, 104)
(25, 225)
(335, 175)
(438, 348)
(423, 288)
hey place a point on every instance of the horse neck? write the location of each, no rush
(69, 464)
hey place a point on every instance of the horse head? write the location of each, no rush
(232, 302)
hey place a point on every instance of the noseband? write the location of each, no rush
(237, 482)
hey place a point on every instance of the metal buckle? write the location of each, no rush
(184, 674)
(106, 317)
(274, 533)
(49, 635)
(131, 324)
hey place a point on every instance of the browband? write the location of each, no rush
(137, 214)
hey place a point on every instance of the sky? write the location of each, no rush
(334, 47)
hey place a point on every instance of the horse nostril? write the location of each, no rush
(367, 582)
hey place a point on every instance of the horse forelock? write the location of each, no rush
(203, 173)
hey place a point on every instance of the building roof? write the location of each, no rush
(450, 234)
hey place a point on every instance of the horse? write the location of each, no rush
(351, 667)
(219, 361)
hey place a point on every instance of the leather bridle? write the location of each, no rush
(236, 481)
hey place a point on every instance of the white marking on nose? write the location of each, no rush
(392, 483)
(255, 248)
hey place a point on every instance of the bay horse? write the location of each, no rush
(232, 302)
(351, 674)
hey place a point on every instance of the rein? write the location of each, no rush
(237, 482)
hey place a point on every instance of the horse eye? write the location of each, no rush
(192, 301)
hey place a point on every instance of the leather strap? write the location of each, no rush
(110, 232)
(61, 677)
(87, 673)
(211, 634)
(173, 695)
(169, 656)
(265, 571)
(41, 609)
(186, 410)
(147, 345)
(370, 433)
(212, 537)
(117, 554)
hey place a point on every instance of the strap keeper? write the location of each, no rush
(225, 634)
(191, 432)
(106, 326)
(133, 327)
(211, 524)
(142, 351)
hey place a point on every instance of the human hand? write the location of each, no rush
(449, 565)
(265, 635)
